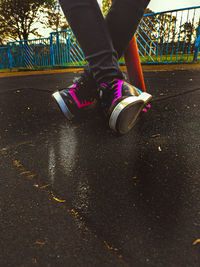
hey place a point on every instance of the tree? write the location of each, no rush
(18, 17)
(55, 18)
(187, 30)
(3, 38)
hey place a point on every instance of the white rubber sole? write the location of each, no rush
(144, 97)
(63, 106)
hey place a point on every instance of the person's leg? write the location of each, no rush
(122, 21)
(89, 27)
(103, 44)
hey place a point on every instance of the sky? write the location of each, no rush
(164, 5)
(155, 5)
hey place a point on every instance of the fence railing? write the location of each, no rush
(29, 54)
(163, 37)
(169, 37)
(66, 50)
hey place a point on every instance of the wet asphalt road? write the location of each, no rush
(74, 194)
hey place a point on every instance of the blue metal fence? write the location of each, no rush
(66, 50)
(29, 54)
(163, 37)
(170, 36)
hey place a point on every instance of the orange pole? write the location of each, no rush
(133, 65)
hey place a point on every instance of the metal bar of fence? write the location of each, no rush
(57, 46)
(52, 52)
(66, 48)
(151, 22)
(43, 56)
(163, 37)
(79, 50)
(72, 58)
(9, 58)
(197, 43)
(174, 34)
(69, 51)
(185, 34)
(145, 34)
(179, 36)
(62, 53)
(77, 53)
(168, 35)
(139, 43)
(158, 39)
(22, 57)
(61, 49)
(141, 53)
(191, 34)
(75, 57)
(146, 43)
(142, 21)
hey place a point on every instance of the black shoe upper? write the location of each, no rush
(112, 93)
(82, 95)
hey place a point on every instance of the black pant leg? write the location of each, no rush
(122, 21)
(89, 27)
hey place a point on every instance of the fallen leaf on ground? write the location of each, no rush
(108, 246)
(155, 135)
(44, 186)
(40, 243)
(17, 163)
(58, 200)
(74, 212)
(195, 242)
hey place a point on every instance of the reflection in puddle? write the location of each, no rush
(51, 165)
(62, 153)
(67, 149)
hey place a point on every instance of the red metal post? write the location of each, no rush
(133, 65)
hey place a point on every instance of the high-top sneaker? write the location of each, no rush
(122, 103)
(77, 99)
